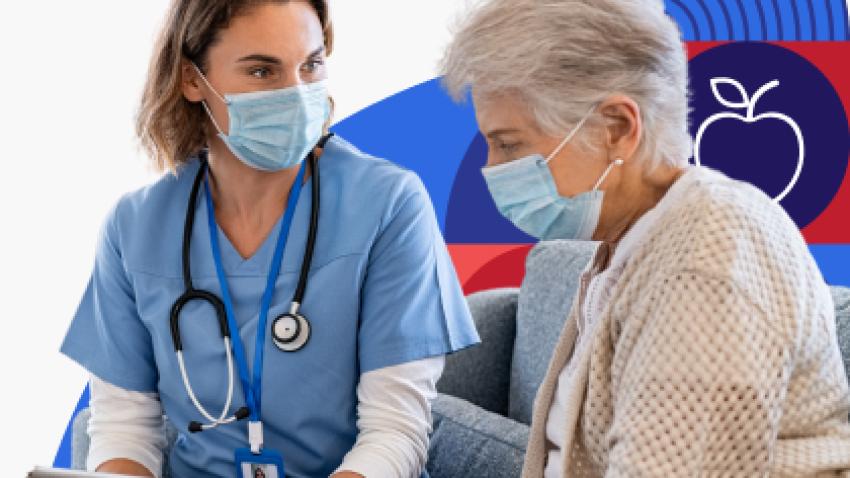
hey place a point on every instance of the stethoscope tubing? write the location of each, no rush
(191, 294)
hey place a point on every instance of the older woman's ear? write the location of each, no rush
(623, 127)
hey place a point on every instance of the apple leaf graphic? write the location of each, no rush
(715, 87)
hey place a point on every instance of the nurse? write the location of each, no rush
(251, 374)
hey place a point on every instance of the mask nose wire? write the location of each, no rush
(204, 102)
(570, 136)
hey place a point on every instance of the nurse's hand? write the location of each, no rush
(347, 474)
(123, 466)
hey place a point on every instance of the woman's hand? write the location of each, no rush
(347, 474)
(122, 466)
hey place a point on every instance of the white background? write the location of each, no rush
(72, 73)
(70, 76)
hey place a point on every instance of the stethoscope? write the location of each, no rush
(290, 331)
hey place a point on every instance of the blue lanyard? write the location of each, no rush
(253, 389)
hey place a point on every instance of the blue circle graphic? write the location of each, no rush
(772, 20)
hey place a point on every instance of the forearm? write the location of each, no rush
(123, 466)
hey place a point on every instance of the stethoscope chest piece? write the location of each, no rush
(291, 331)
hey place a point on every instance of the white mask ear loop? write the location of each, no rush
(569, 136)
(204, 102)
(616, 162)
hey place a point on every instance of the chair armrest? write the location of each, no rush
(80, 439)
(481, 374)
(470, 442)
(841, 298)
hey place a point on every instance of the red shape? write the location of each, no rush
(469, 258)
(694, 48)
(505, 270)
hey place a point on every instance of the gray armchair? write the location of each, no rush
(482, 414)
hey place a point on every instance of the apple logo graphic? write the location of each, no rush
(764, 114)
(749, 104)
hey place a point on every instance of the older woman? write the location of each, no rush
(702, 342)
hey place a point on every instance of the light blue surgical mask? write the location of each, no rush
(525, 193)
(275, 129)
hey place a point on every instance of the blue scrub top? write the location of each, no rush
(382, 291)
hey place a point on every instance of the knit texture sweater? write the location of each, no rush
(716, 355)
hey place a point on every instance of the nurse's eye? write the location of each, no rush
(260, 72)
(312, 65)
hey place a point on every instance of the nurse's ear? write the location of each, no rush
(190, 82)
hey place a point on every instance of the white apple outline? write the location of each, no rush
(750, 104)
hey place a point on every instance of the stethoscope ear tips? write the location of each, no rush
(195, 427)
(242, 413)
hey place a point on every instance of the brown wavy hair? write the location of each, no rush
(169, 127)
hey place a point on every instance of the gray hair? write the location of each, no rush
(563, 56)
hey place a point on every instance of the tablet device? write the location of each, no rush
(41, 472)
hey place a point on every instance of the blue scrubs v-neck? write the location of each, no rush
(382, 292)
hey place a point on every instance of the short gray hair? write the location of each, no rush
(563, 56)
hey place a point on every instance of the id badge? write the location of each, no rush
(268, 464)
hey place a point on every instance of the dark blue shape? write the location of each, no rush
(807, 20)
(840, 19)
(701, 16)
(472, 217)
(420, 128)
(790, 19)
(834, 262)
(737, 24)
(768, 20)
(705, 17)
(720, 18)
(685, 19)
(779, 20)
(765, 152)
(749, 19)
(760, 20)
(829, 19)
(820, 19)
(63, 455)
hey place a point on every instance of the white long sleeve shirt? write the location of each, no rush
(394, 421)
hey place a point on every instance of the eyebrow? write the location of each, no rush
(262, 58)
(275, 60)
(501, 131)
(316, 52)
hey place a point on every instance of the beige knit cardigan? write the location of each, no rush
(716, 356)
